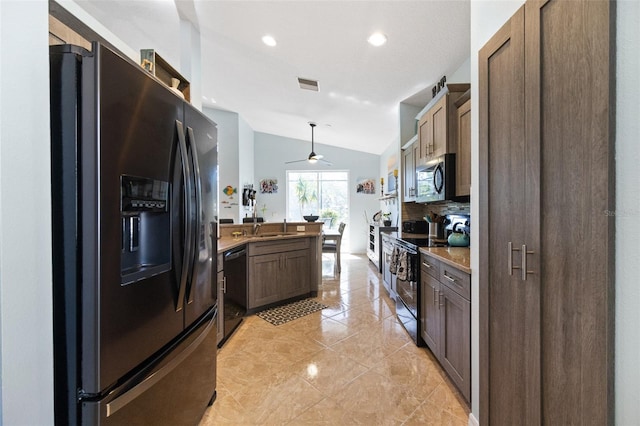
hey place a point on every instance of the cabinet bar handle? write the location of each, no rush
(524, 254)
(426, 264)
(224, 285)
(433, 289)
(440, 298)
(453, 280)
(510, 258)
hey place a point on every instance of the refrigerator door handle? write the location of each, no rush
(187, 256)
(198, 209)
(156, 376)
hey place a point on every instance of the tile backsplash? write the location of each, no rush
(416, 211)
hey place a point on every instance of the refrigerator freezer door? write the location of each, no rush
(201, 135)
(175, 390)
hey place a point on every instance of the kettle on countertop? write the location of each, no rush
(458, 238)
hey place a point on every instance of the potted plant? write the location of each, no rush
(329, 217)
(387, 219)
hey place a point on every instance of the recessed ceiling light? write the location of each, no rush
(377, 39)
(269, 40)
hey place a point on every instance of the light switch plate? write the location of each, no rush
(300, 228)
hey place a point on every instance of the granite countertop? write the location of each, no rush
(226, 243)
(459, 257)
(269, 231)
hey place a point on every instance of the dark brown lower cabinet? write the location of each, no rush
(278, 270)
(546, 244)
(265, 277)
(430, 317)
(445, 317)
(455, 339)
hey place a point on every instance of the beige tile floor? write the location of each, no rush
(351, 363)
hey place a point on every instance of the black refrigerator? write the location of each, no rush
(134, 185)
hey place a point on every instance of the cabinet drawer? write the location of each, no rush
(278, 246)
(430, 265)
(456, 280)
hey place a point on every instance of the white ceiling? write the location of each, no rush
(360, 85)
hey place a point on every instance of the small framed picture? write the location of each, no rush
(269, 186)
(366, 186)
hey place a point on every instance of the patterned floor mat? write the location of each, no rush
(285, 313)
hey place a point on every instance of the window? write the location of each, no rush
(320, 193)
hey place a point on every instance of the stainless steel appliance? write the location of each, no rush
(134, 187)
(415, 226)
(408, 286)
(235, 290)
(436, 180)
(388, 279)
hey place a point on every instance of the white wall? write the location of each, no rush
(462, 74)
(627, 347)
(486, 18)
(228, 158)
(72, 7)
(246, 164)
(235, 159)
(190, 59)
(26, 341)
(272, 151)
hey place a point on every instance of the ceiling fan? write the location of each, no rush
(313, 157)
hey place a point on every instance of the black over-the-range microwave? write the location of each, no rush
(436, 180)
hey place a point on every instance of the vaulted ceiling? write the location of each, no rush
(360, 85)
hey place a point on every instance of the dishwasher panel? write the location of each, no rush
(234, 290)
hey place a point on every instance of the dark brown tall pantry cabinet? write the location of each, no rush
(546, 107)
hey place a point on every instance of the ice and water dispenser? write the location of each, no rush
(146, 228)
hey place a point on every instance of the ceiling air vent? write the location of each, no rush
(307, 84)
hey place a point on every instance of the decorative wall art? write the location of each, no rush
(366, 186)
(229, 191)
(269, 186)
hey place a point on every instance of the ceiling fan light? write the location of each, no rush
(313, 158)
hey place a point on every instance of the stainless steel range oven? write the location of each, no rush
(408, 286)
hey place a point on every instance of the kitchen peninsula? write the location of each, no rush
(234, 235)
(282, 262)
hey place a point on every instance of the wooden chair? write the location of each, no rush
(333, 246)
